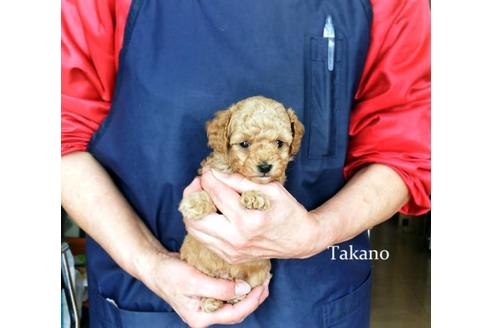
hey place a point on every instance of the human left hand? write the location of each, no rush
(285, 230)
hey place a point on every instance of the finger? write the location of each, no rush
(194, 186)
(241, 184)
(206, 238)
(264, 295)
(267, 281)
(174, 254)
(220, 247)
(266, 290)
(236, 181)
(214, 225)
(230, 314)
(221, 289)
(193, 304)
(224, 197)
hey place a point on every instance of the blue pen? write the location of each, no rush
(329, 33)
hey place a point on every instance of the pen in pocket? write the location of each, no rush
(329, 33)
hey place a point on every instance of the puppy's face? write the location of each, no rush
(259, 136)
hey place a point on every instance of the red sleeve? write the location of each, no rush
(92, 32)
(390, 122)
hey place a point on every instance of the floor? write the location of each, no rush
(401, 294)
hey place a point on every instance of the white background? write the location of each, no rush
(30, 155)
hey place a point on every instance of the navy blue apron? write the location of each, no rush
(181, 61)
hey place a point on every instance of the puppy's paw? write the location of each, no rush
(236, 299)
(258, 277)
(211, 305)
(255, 200)
(197, 205)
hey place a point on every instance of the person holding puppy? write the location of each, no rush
(140, 79)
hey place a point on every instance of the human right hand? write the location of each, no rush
(182, 286)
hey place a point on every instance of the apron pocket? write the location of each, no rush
(106, 313)
(324, 84)
(351, 310)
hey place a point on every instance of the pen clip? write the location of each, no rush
(329, 33)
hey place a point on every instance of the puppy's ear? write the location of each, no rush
(217, 131)
(297, 132)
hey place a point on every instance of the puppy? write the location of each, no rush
(256, 137)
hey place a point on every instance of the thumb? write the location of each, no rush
(194, 186)
(236, 181)
(221, 289)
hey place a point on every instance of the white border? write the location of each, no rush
(29, 165)
(461, 163)
(29, 172)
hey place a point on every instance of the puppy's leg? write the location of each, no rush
(255, 200)
(211, 305)
(255, 278)
(258, 278)
(197, 205)
(236, 299)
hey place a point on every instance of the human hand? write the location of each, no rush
(183, 287)
(285, 230)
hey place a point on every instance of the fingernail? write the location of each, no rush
(242, 288)
(218, 174)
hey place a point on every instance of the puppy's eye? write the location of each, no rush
(280, 143)
(244, 144)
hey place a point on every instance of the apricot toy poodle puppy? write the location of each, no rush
(256, 137)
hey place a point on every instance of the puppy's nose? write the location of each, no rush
(264, 168)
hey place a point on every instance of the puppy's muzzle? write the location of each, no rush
(264, 168)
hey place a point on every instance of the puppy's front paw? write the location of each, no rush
(236, 299)
(210, 304)
(255, 200)
(197, 205)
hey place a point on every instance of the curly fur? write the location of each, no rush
(273, 136)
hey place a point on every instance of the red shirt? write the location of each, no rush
(390, 121)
